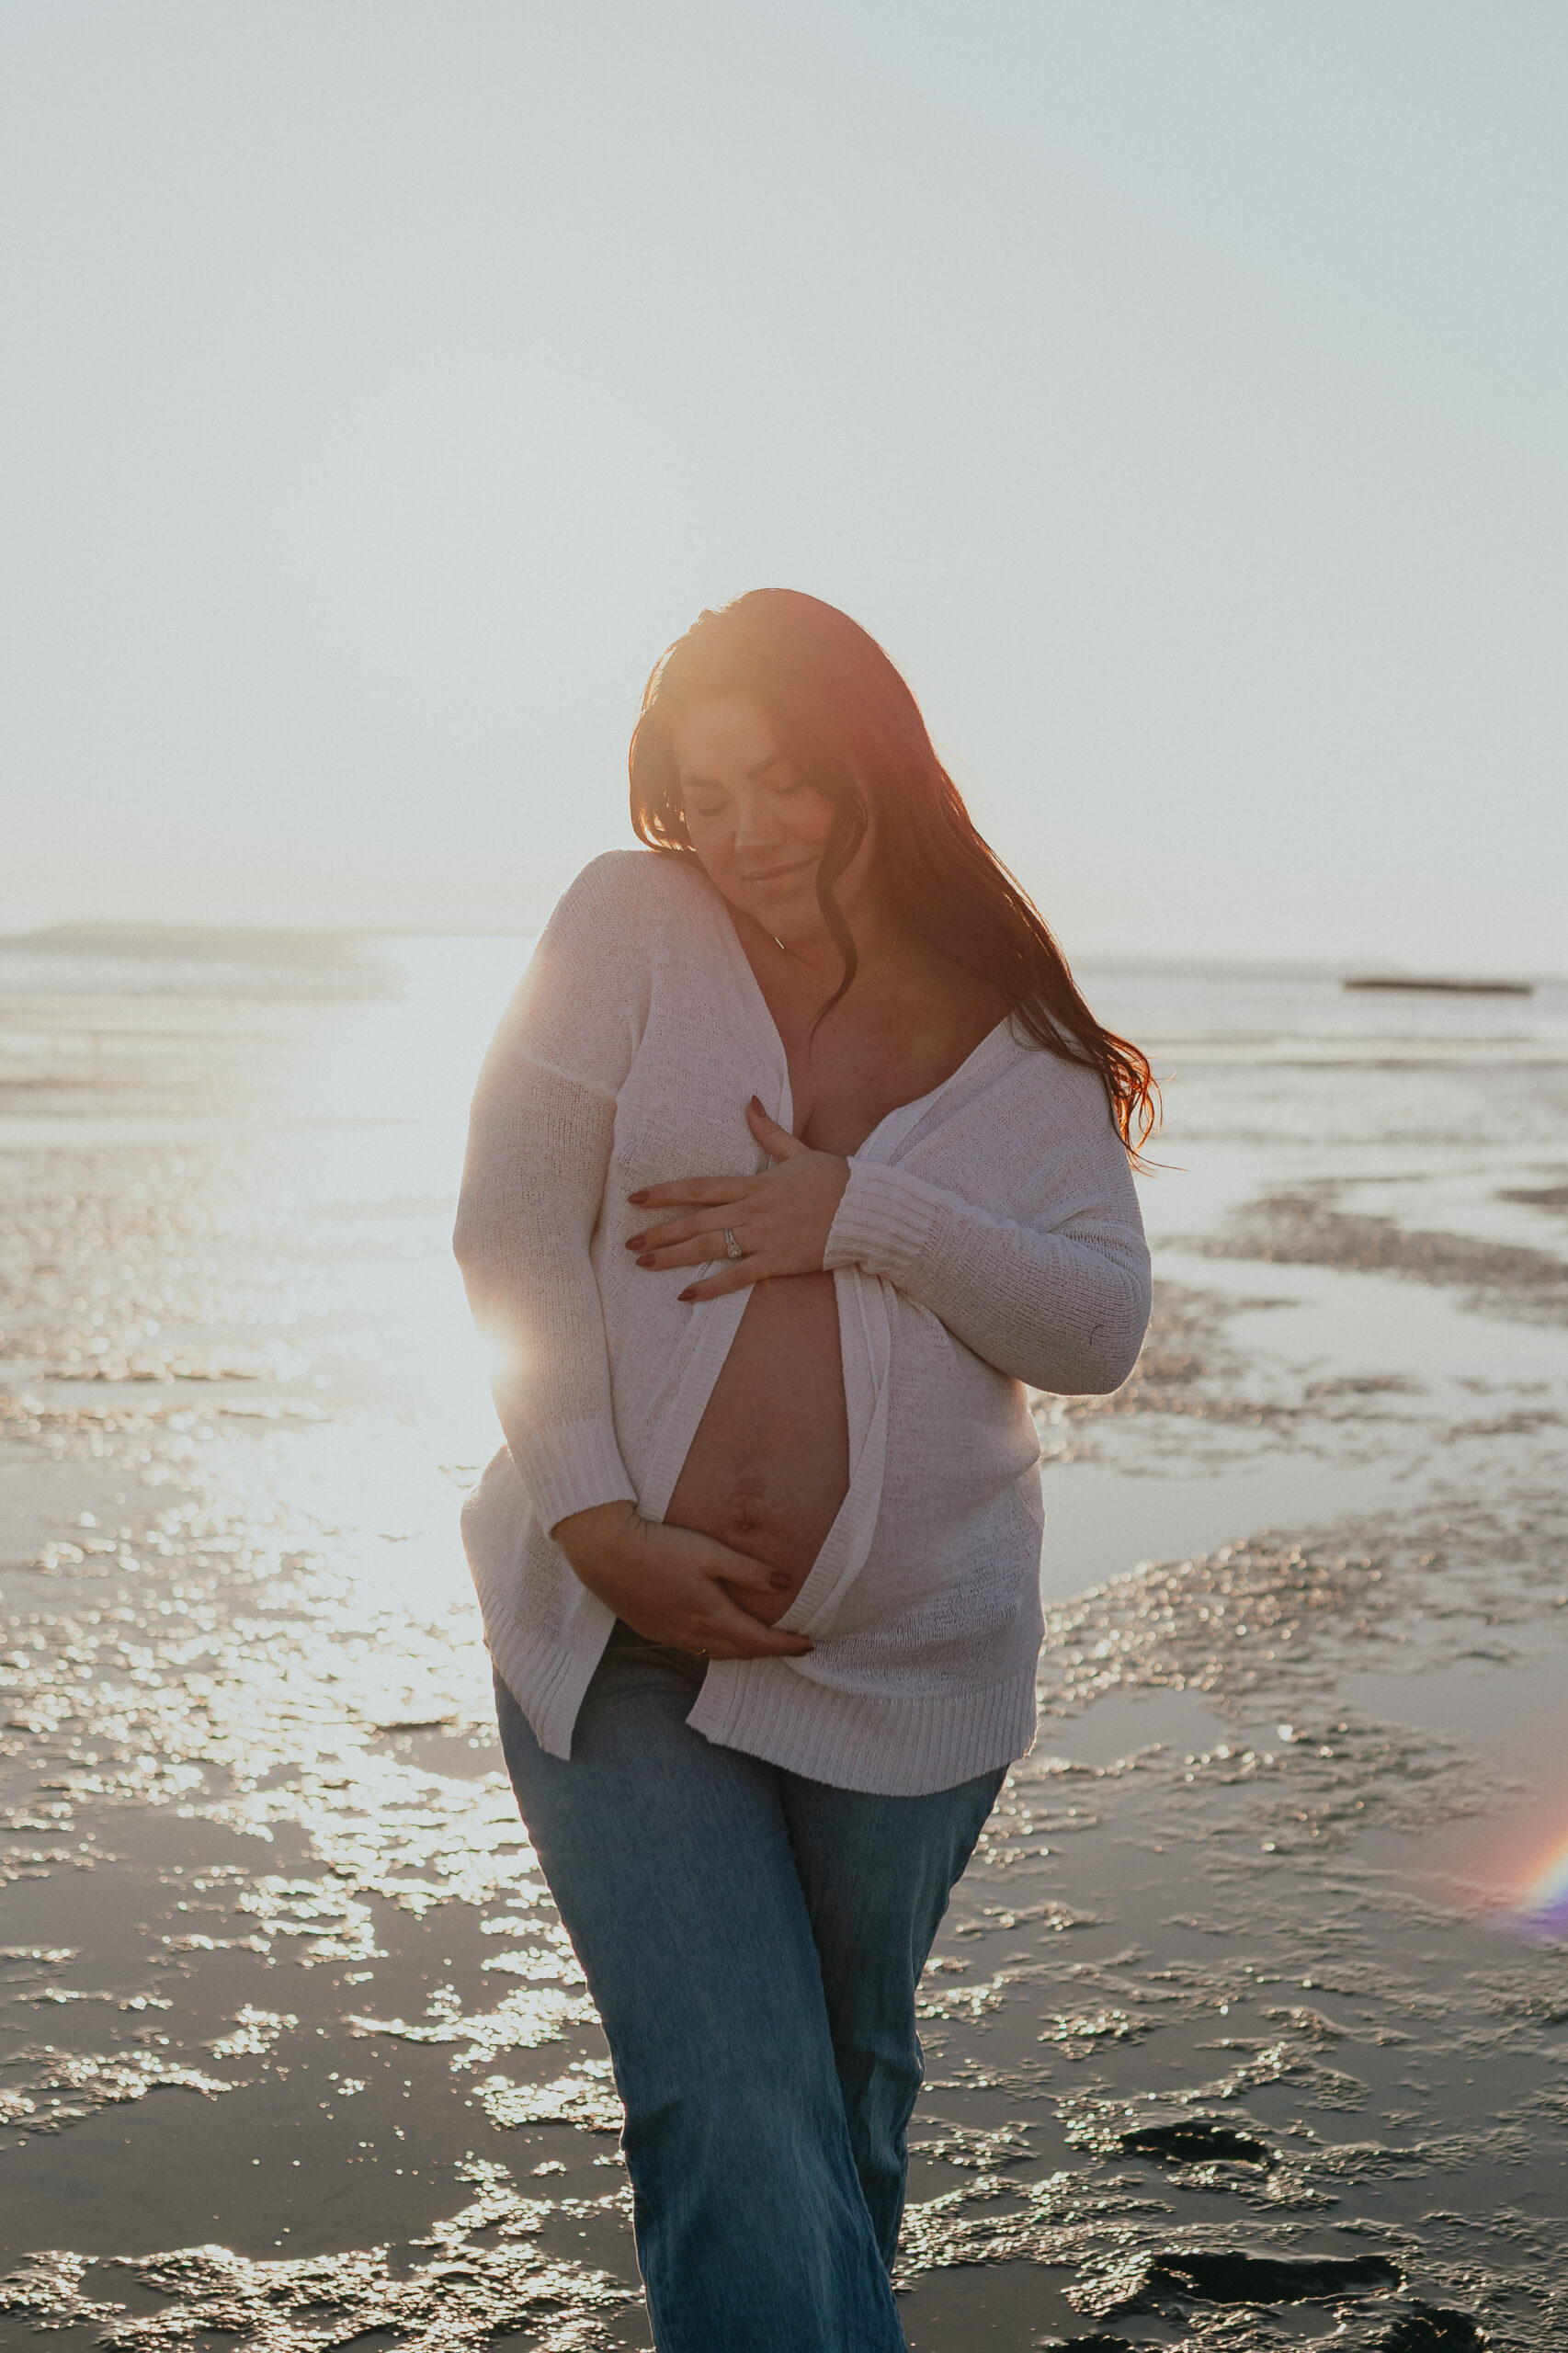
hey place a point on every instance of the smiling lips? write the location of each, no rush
(779, 873)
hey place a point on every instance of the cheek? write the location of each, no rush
(711, 841)
(811, 820)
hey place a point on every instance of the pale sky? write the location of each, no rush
(1178, 389)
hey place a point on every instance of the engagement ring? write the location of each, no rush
(732, 1248)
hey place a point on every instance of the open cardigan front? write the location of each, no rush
(989, 1237)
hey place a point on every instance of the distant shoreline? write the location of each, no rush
(1444, 987)
(260, 943)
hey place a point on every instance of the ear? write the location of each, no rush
(776, 1141)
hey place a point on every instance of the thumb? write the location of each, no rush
(777, 1142)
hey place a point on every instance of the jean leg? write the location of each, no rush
(671, 1869)
(876, 1873)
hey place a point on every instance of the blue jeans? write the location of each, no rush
(753, 1941)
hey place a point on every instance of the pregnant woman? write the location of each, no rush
(796, 1156)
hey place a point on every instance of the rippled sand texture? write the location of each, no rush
(1247, 2027)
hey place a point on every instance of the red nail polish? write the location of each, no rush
(757, 1105)
(637, 1199)
(687, 1295)
(646, 1259)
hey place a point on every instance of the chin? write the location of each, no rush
(793, 926)
(791, 914)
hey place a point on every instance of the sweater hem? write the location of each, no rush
(548, 1682)
(855, 1740)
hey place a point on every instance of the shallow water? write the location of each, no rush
(1247, 2026)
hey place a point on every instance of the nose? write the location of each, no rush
(758, 825)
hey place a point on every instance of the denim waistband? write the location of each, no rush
(623, 1637)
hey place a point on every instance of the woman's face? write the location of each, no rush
(757, 828)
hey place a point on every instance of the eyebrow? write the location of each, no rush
(711, 783)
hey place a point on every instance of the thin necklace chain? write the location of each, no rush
(875, 974)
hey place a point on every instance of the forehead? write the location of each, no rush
(729, 737)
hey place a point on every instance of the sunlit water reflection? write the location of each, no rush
(1248, 2026)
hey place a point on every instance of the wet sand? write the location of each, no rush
(1249, 2024)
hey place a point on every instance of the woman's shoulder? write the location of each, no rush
(1052, 1087)
(625, 895)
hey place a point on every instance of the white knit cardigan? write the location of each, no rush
(989, 1236)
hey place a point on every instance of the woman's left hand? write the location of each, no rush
(781, 1219)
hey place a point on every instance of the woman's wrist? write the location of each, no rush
(884, 1219)
(594, 1537)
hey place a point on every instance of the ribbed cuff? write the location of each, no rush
(884, 1220)
(570, 1467)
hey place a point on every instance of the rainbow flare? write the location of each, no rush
(1544, 1907)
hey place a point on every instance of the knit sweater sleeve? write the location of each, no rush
(1058, 1297)
(539, 1150)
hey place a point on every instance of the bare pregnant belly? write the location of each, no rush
(770, 1465)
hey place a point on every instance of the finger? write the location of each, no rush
(679, 1229)
(706, 1556)
(776, 1140)
(730, 1624)
(727, 1568)
(736, 1276)
(689, 1191)
(700, 1251)
(722, 1652)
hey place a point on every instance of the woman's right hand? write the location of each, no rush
(668, 1584)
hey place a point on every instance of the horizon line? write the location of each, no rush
(61, 936)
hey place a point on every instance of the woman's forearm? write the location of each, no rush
(1065, 1310)
(538, 1149)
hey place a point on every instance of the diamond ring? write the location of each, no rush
(732, 1248)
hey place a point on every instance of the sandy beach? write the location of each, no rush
(1248, 2026)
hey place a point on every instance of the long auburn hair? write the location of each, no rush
(852, 729)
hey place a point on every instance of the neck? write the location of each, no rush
(817, 956)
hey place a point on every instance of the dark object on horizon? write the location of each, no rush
(1443, 988)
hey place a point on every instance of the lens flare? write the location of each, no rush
(1543, 1908)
